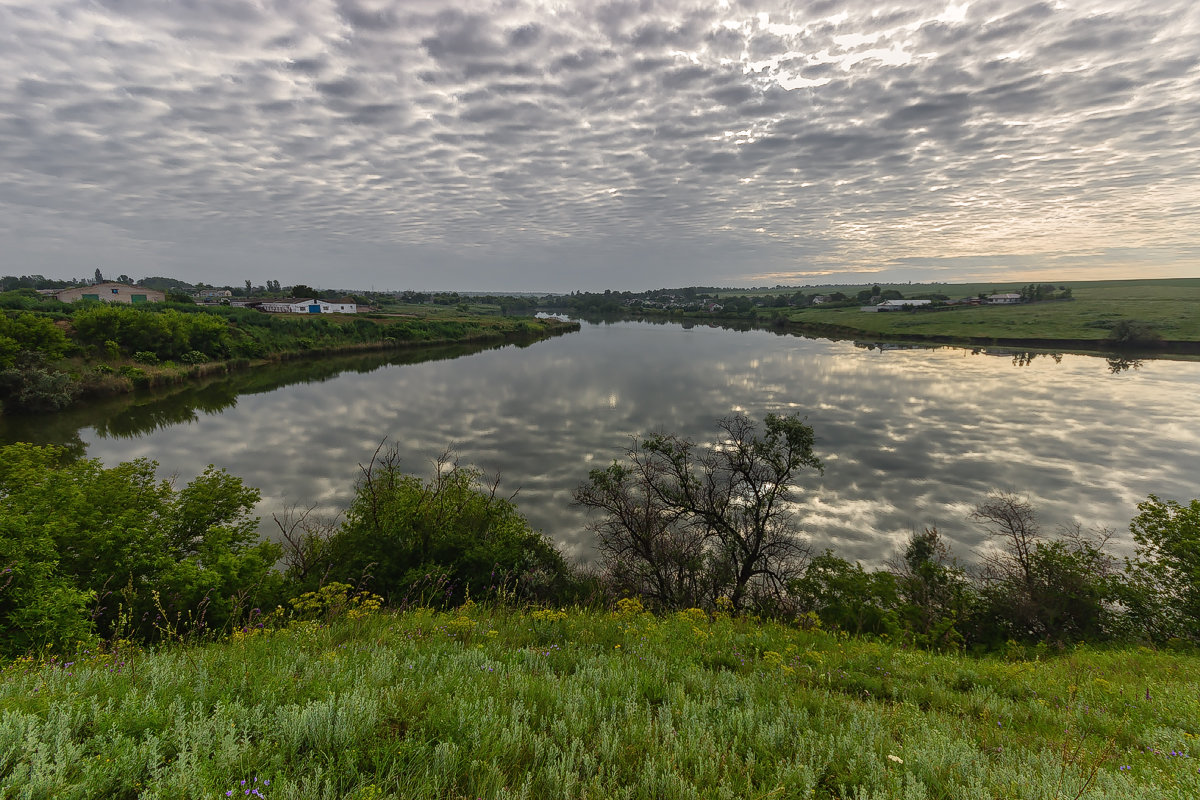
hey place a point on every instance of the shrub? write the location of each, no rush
(145, 357)
(193, 357)
(1132, 334)
(33, 387)
(26, 333)
(1163, 590)
(452, 534)
(151, 561)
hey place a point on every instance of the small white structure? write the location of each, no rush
(897, 305)
(1008, 299)
(292, 306)
(208, 294)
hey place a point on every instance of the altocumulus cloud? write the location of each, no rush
(522, 144)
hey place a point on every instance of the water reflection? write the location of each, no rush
(910, 437)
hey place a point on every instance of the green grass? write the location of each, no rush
(1170, 306)
(502, 704)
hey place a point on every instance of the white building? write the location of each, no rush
(111, 292)
(1003, 299)
(897, 305)
(293, 306)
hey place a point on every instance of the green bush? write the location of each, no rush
(117, 552)
(145, 357)
(1163, 590)
(34, 387)
(24, 333)
(451, 536)
(1133, 334)
(193, 357)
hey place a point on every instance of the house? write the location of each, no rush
(111, 293)
(297, 306)
(213, 294)
(897, 305)
(1003, 299)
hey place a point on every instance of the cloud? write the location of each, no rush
(527, 144)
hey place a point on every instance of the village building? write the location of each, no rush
(110, 293)
(1003, 299)
(298, 306)
(897, 305)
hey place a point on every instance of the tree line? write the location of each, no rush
(89, 552)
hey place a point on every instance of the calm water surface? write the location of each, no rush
(910, 437)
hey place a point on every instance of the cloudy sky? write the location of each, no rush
(526, 145)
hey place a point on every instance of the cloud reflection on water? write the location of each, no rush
(910, 437)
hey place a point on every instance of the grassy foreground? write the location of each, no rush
(488, 703)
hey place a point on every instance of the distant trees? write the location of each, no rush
(683, 524)
(167, 333)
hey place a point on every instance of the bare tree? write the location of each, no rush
(305, 536)
(1013, 520)
(649, 548)
(697, 523)
(1057, 589)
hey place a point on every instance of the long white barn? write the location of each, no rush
(308, 307)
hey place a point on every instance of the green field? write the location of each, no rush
(1171, 307)
(496, 703)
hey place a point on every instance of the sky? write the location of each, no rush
(520, 145)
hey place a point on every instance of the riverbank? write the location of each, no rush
(150, 377)
(491, 702)
(1150, 317)
(89, 373)
(1161, 318)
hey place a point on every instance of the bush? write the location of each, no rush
(1163, 590)
(33, 387)
(117, 552)
(145, 357)
(1133, 334)
(24, 334)
(193, 357)
(846, 597)
(441, 540)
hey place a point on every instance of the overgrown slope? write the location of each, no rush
(492, 703)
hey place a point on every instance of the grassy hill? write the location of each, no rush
(1169, 306)
(494, 703)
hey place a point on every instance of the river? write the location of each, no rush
(909, 437)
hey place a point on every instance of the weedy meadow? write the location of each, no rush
(494, 702)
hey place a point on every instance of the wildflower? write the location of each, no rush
(895, 758)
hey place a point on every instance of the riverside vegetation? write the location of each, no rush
(416, 648)
(1147, 315)
(52, 354)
